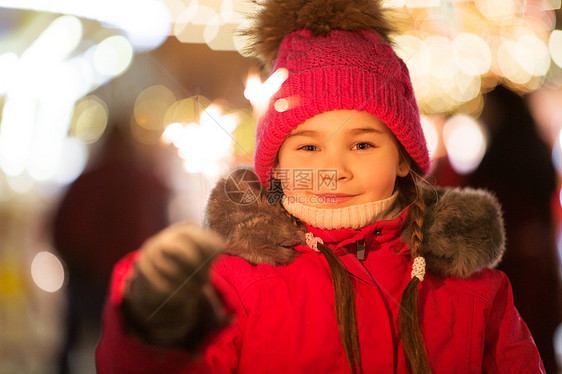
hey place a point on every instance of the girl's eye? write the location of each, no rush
(309, 148)
(361, 146)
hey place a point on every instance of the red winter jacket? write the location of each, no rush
(284, 315)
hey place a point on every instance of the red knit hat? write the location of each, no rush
(355, 70)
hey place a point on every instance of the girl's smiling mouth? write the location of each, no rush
(334, 198)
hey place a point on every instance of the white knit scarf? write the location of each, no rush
(353, 217)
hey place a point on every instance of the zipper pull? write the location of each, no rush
(360, 249)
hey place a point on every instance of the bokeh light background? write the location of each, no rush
(174, 73)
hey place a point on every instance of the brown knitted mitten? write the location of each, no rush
(168, 301)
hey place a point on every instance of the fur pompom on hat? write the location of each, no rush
(337, 55)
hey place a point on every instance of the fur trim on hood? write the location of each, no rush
(463, 231)
(463, 228)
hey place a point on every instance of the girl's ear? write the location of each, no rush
(403, 167)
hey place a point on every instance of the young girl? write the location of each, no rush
(331, 278)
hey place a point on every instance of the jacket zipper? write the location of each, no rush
(361, 246)
(360, 249)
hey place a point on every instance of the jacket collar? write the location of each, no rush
(463, 229)
(380, 231)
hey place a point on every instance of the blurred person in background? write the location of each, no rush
(108, 211)
(518, 168)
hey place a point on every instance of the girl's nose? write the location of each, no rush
(338, 164)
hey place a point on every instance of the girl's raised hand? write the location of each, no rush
(169, 296)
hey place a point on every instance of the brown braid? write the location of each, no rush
(408, 319)
(344, 295)
(344, 298)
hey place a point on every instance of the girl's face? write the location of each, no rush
(338, 159)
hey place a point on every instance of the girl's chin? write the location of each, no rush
(325, 201)
(328, 206)
(333, 204)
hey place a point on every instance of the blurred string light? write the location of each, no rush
(149, 113)
(409, 47)
(499, 9)
(521, 59)
(113, 56)
(151, 106)
(75, 156)
(186, 110)
(205, 145)
(146, 23)
(39, 103)
(472, 54)
(465, 142)
(244, 135)
(89, 119)
(21, 183)
(394, 3)
(555, 47)
(106, 60)
(213, 22)
(41, 89)
(56, 42)
(259, 93)
(431, 135)
(198, 23)
(557, 152)
(8, 63)
(47, 272)
(451, 48)
(15, 134)
(51, 128)
(422, 3)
